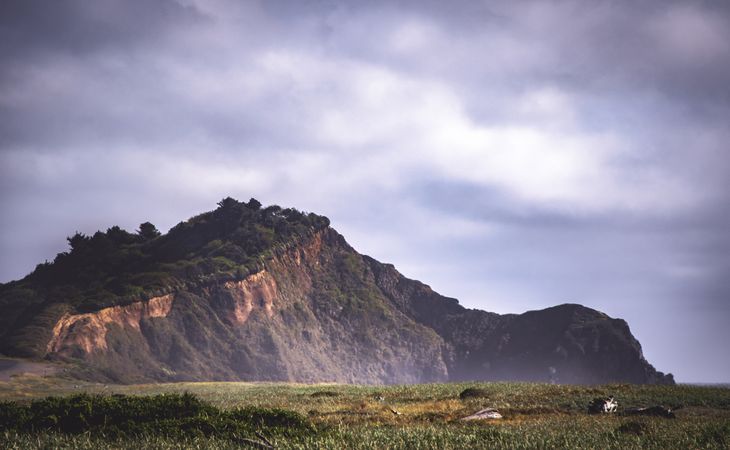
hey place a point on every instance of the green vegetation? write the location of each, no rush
(169, 415)
(473, 392)
(117, 267)
(348, 416)
(222, 244)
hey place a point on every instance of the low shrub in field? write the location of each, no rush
(175, 415)
(321, 394)
(636, 428)
(474, 393)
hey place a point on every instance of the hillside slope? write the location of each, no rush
(252, 293)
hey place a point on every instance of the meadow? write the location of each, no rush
(294, 416)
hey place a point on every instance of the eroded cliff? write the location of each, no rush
(87, 332)
(312, 314)
(245, 293)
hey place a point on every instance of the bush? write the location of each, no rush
(474, 393)
(321, 394)
(172, 415)
(635, 428)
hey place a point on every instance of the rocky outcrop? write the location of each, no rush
(565, 344)
(258, 290)
(82, 334)
(312, 314)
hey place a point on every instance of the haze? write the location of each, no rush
(514, 155)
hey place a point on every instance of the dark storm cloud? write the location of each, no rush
(511, 154)
(52, 78)
(34, 28)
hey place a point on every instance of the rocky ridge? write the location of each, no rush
(312, 309)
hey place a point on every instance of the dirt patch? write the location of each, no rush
(10, 367)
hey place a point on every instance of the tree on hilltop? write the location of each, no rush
(148, 231)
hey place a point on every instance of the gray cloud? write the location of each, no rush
(511, 154)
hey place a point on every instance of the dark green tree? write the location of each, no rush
(148, 231)
(254, 204)
(228, 203)
(77, 241)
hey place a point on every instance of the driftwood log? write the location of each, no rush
(656, 411)
(263, 444)
(484, 414)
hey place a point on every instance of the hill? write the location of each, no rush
(251, 293)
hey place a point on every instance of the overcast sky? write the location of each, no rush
(514, 155)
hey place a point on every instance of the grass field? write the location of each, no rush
(346, 416)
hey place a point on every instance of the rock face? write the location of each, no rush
(84, 334)
(568, 343)
(316, 310)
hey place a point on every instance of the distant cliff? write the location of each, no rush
(251, 293)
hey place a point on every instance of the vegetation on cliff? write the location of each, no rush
(102, 269)
(117, 267)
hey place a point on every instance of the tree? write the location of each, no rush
(148, 231)
(77, 241)
(228, 203)
(254, 204)
(119, 236)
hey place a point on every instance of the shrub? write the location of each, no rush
(474, 393)
(173, 415)
(321, 394)
(635, 428)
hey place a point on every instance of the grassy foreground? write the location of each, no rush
(346, 416)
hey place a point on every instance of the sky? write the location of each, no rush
(513, 155)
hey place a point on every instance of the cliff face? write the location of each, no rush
(567, 343)
(83, 334)
(312, 314)
(316, 310)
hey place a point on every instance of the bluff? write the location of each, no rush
(270, 294)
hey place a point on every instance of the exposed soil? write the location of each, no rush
(10, 367)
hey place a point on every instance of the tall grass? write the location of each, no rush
(360, 417)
